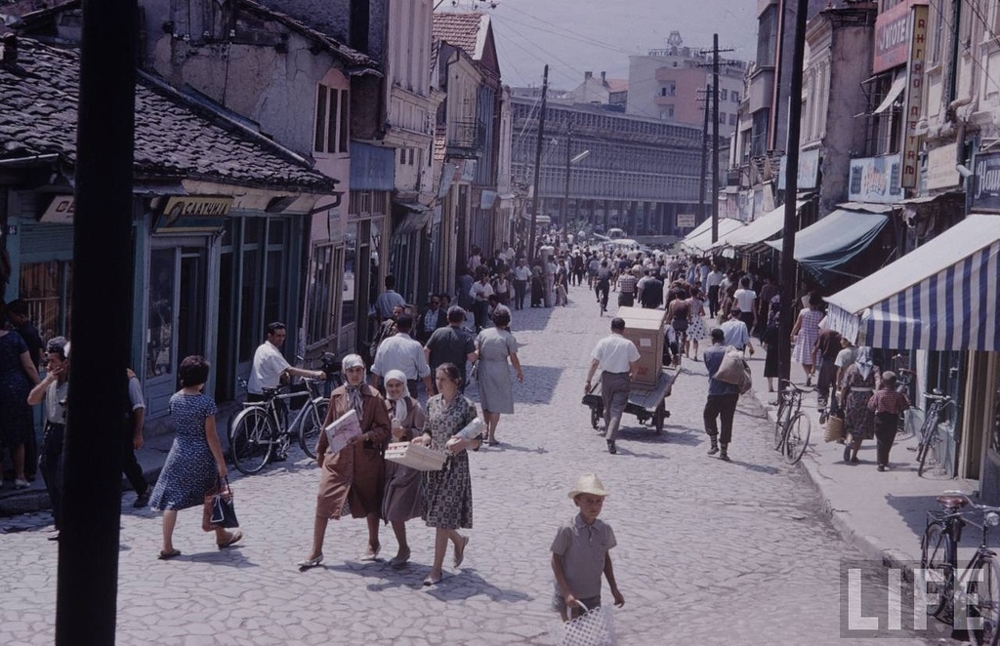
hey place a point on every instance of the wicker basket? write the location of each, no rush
(595, 627)
(834, 429)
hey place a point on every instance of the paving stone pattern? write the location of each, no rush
(708, 552)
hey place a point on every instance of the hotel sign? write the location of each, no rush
(986, 194)
(914, 97)
(892, 36)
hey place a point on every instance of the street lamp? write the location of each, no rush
(569, 162)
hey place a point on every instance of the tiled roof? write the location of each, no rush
(173, 137)
(313, 19)
(616, 85)
(460, 30)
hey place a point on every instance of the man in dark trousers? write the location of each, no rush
(650, 291)
(135, 418)
(722, 398)
(20, 318)
(452, 344)
(617, 358)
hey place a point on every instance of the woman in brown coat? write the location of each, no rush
(401, 501)
(354, 476)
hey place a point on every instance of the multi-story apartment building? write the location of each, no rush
(670, 84)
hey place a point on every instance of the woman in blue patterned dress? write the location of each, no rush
(448, 493)
(195, 464)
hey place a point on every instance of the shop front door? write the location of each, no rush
(176, 320)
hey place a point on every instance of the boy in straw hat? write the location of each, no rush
(580, 553)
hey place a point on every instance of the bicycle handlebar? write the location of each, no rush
(939, 397)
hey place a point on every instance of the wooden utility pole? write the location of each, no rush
(87, 575)
(791, 197)
(715, 138)
(704, 160)
(538, 167)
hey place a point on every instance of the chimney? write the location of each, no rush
(604, 78)
(587, 76)
(9, 49)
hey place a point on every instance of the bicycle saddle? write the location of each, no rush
(952, 502)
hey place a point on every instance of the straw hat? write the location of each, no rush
(589, 483)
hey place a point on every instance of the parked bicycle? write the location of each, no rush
(930, 437)
(972, 592)
(904, 384)
(792, 427)
(261, 431)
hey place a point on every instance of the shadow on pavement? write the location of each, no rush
(229, 557)
(504, 446)
(758, 468)
(469, 584)
(466, 584)
(537, 376)
(530, 319)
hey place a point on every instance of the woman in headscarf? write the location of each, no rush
(860, 382)
(770, 341)
(352, 480)
(402, 484)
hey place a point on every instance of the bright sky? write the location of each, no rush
(574, 36)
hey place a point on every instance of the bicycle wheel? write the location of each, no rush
(250, 445)
(923, 450)
(312, 426)
(984, 601)
(797, 437)
(935, 546)
(784, 409)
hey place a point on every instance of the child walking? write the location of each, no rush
(580, 553)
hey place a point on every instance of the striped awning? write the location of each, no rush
(702, 240)
(941, 296)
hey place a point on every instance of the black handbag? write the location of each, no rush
(223, 511)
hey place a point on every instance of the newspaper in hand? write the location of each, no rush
(472, 430)
(341, 430)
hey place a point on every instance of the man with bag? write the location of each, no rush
(722, 398)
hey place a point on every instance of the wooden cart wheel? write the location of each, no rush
(658, 418)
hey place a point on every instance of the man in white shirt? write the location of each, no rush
(270, 369)
(522, 276)
(745, 298)
(713, 281)
(617, 358)
(480, 293)
(402, 352)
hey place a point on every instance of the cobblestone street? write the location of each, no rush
(708, 552)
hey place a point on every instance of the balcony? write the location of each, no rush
(466, 138)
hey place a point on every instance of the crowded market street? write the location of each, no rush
(708, 551)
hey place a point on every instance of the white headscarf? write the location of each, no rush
(354, 392)
(398, 405)
(863, 360)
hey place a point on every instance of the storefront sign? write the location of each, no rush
(875, 179)
(892, 31)
(808, 170)
(986, 194)
(914, 97)
(372, 168)
(685, 220)
(194, 213)
(60, 211)
(941, 171)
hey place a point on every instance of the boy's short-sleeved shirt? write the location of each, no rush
(584, 549)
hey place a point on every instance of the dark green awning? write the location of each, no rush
(822, 247)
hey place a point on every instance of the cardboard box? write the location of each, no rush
(641, 314)
(647, 335)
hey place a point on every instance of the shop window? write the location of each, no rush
(349, 283)
(46, 287)
(321, 323)
(331, 131)
(160, 326)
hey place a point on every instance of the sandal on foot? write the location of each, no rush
(166, 556)
(371, 554)
(233, 539)
(305, 564)
(431, 580)
(400, 559)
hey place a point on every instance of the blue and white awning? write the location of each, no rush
(941, 296)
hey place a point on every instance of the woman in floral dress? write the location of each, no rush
(696, 331)
(860, 382)
(447, 493)
(195, 464)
